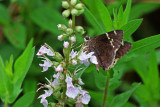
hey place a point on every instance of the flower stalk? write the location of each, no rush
(106, 90)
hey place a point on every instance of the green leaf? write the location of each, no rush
(25, 101)
(3, 79)
(120, 17)
(47, 19)
(127, 12)
(121, 99)
(153, 74)
(145, 45)
(21, 68)
(140, 9)
(105, 15)
(8, 67)
(93, 21)
(16, 34)
(130, 28)
(5, 16)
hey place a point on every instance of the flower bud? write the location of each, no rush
(58, 56)
(74, 12)
(79, 29)
(69, 31)
(65, 4)
(66, 44)
(61, 27)
(65, 13)
(79, 6)
(73, 39)
(73, 2)
(74, 62)
(70, 23)
(60, 37)
(80, 11)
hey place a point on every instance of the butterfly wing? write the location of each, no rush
(105, 47)
(124, 49)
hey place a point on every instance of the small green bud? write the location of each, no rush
(69, 31)
(65, 4)
(80, 11)
(74, 12)
(79, 29)
(70, 23)
(79, 6)
(73, 2)
(65, 13)
(61, 27)
(58, 56)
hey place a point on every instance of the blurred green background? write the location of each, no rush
(21, 20)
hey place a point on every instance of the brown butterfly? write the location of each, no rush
(108, 48)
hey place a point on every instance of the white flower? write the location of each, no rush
(66, 44)
(56, 80)
(46, 64)
(60, 37)
(59, 26)
(44, 96)
(59, 68)
(44, 50)
(86, 98)
(72, 91)
(74, 62)
(73, 54)
(73, 39)
(84, 58)
(93, 59)
(80, 81)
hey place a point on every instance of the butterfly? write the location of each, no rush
(108, 48)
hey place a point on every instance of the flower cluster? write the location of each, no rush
(66, 85)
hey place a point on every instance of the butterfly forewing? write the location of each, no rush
(105, 47)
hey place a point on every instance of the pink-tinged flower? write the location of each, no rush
(73, 54)
(59, 68)
(68, 80)
(46, 64)
(74, 62)
(73, 39)
(44, 96)
(66, 44)
(43, 50)
(60, 37)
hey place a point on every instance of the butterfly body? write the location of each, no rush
(108, 48)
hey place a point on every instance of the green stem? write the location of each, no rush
(6, 101)
(106, 89)
(73, 22)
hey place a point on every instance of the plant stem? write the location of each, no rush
(6, 101)
(106, 90)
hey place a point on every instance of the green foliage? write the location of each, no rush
(16, 34)
(121, 99)
(12, 81)
(5, 16)
(28, 97)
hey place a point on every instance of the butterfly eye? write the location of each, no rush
(86, 38)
